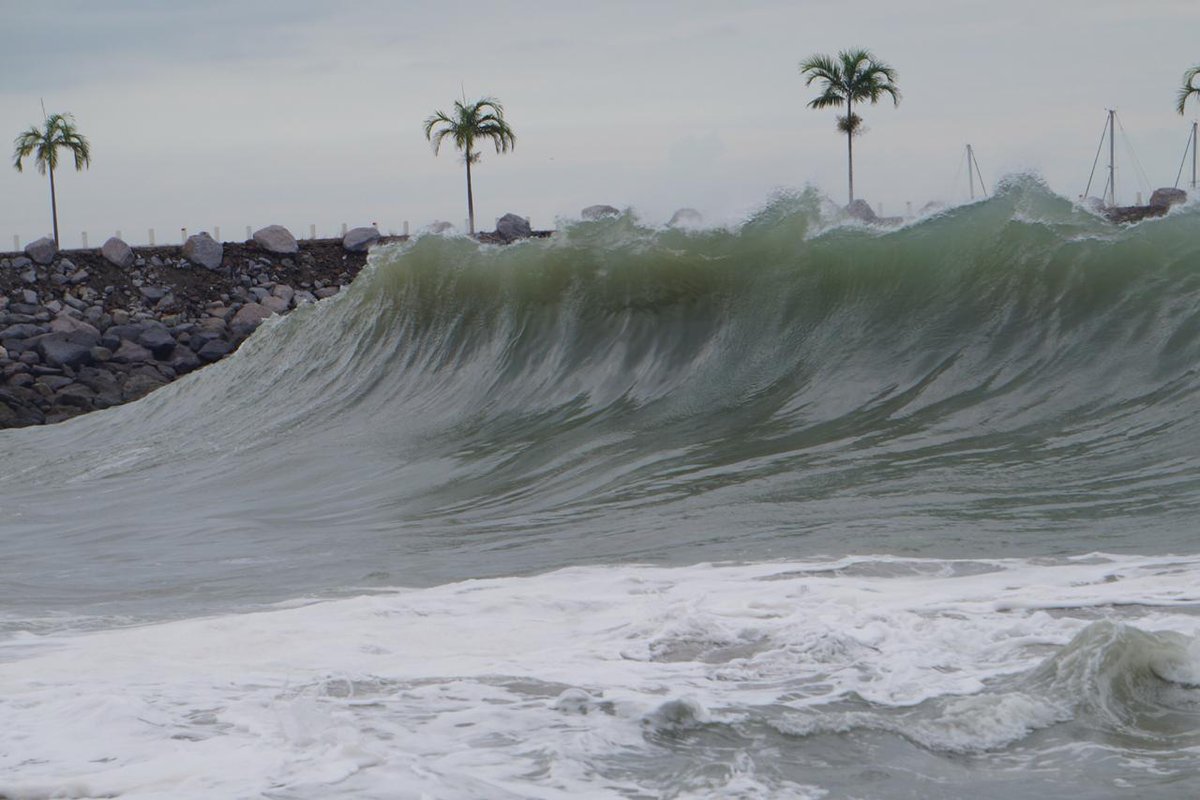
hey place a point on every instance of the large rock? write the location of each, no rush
(59, 351)
(65, 323)
(860, 209)
(1165, 198)
(599, 212)
(158, 340)
(248, 318)
(276, 239)
(214, 350)
(511, 227)
(686, 218)
(42, 251)
(358, 240)
(204, 251)
(117, 252)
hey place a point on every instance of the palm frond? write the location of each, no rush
(1188, 89)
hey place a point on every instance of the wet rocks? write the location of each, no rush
(511, 227)
(599, 212)
(1167, 197)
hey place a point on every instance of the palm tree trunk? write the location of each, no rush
(470, 197)
(850, 145)
(53, 207)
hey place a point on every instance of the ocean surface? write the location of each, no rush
(790, 510)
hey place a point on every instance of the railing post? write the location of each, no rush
(16, 243)
(217, 232)
(83, 238)
(183, 235)
(119, 234)
(151, 237)
(312, 231)
(343, 229)
(406, 227)
(247, 233)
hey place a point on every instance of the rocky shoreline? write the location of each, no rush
(82, 330)
(79, 332)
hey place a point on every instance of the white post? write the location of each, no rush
(247, 233)
(151, 237)
(183, 235)
(343, 229)
(83, 237)
(1139, 199)
(406, 227)
(119, 234)
(312, 231)
(217, 232)
(16, 243)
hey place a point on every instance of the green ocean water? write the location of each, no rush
(843, 511)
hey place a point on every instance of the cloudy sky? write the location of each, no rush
(298, 112)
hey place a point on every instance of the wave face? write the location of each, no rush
(1013, 377)
(795, 510)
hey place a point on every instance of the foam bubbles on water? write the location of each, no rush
(583, 681)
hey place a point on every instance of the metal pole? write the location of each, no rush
(1193, 155)
(1112, 159)
(971, 171)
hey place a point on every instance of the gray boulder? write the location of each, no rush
(511, 227)
(599, 212)
(686, 218)
(861, 210)
(65, 323)
(204, 251)
(42, 251)
(131, 353)
(1165, 198)
(117, 252)
(158, 340)
(358, 240)
(214, 350)
(59, 351)
(248, 318)
(276, 239)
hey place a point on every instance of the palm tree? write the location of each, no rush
(483, 119)
(58, 131)
(854, 76)
(1189, 88)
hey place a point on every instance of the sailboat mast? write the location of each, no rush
(1112, 159)
(1194, 155)
(970, 171)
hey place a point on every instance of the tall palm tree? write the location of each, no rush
(1189, 88)
(43, 144)
(854, 76)
(483, 119)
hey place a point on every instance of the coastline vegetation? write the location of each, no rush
(853, 76)
(1189, 88)
(483, 119)
(43, 144)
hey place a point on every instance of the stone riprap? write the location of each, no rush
(81, 333)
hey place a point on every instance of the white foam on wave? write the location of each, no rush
(536, 686)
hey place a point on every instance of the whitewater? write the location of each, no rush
(794, 510)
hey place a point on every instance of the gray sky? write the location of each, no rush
(244, 113)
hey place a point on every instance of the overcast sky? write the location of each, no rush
(234, 113)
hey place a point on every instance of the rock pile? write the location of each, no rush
(89, 329)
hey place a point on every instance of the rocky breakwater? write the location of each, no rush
(83, 330)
